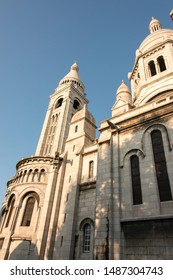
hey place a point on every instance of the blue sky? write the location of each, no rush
(41, 39)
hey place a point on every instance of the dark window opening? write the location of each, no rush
(11, 208)
(59, 103)
(67, 197)
(76, 104)
(160, 166)
(1, 242)
(91, 168)
(161, 63)
(152, 68)
(136, 180)
(28, 212)
(61, 241)
(76, 128)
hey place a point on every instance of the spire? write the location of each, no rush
(73, 76)
(154, 25)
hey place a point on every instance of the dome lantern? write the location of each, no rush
(154, 25)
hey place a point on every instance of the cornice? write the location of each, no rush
(34, 159)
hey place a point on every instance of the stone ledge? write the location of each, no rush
(143, 219)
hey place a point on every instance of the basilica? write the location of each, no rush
(107, 198)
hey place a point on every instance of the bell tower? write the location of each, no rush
(68, 98)
(152, 72)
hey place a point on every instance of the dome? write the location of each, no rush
(156, 37)
(73, 76)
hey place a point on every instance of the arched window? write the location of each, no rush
(10, 211)
(136, 180)
(28, 211)
(86, 237)
(59, 103)
(76, 104)
(76, 128)
(91, 168)
(160, 166)
(161, 63)
(152, 68)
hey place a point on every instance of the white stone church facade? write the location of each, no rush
(80, 197)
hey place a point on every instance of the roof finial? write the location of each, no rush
(154, 25)
(75, 67)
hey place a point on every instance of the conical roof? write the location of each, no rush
(73, 76)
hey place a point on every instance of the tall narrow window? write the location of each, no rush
(161, 63)
(61, 241)
(136, 180)
(86, 237)
(91, 168)
(76, 128)
(2, 218)
(160, 166)
(28, 212)
(152, 68)
(1, 242)
(10, 212)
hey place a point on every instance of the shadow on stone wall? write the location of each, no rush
(26, 250)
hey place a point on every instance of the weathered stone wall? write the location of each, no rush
(86, 213)
(148, 240)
